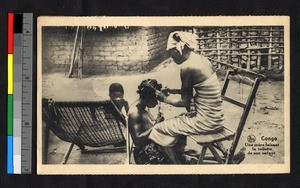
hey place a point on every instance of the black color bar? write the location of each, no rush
(18, 23)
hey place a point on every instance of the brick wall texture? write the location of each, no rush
(111, 51)
(139, 49)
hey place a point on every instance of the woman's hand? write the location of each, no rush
(166, 91)
(160, 96)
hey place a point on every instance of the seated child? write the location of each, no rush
(140, 123)
(116, 94)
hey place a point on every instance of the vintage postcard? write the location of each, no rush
(163, 95)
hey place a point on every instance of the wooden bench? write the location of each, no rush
(214, 141)
(93, 124)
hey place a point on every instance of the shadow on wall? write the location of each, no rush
(116, 50)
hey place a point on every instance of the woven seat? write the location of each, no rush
(93, 124)
(224, 134)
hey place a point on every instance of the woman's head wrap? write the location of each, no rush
(178, 39)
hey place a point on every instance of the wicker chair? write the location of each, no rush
(93, 124)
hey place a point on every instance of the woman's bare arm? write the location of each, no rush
(171, 91)
(186, 91)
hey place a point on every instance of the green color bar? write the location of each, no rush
(10, 114)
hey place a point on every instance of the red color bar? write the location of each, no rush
(10, 33)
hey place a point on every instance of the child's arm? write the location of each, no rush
(126, 106)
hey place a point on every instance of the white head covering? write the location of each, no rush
(185, 38)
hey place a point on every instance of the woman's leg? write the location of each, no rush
(172, 155)
(179, 148)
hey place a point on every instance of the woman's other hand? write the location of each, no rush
(159, 118)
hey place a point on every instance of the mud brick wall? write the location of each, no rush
(157, 42)
(111, 51)
(57, 45)
(256, 48)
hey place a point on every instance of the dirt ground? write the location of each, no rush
(266, 118)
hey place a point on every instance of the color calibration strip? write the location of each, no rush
(10, 73)
(19, 106)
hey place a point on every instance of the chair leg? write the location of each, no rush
(130, 150)
(201, 157)
(66, 156)
(215, 154)
(220, 146)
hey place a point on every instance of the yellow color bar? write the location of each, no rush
(10, 68)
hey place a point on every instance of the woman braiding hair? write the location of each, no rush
(197, 76)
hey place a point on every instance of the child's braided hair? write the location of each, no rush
(147, 89)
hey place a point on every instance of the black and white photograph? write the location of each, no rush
(163, 95)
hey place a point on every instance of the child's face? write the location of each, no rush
(116, 95)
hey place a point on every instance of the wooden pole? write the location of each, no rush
(218, 47)
(234, 49)
(194, 31)
(251, 54)
(73, 54)
(239, 51)
(270, 50)
(229, 46)
(281, 58)
(248, 52)
(281, 63)
(80, 61)
(259, 60)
